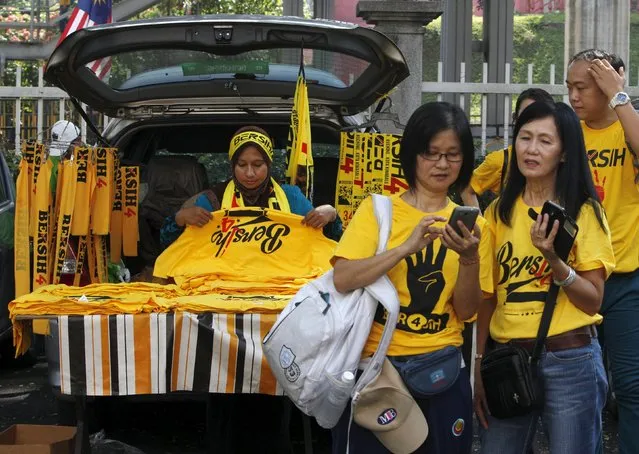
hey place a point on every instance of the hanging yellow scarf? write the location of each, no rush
(22, 261)
(42, 237)
(116, 216)
(85, 184)
(65, 216)
(233, 198)
(130, 196)
(103, 196)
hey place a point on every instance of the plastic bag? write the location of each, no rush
(102, 445)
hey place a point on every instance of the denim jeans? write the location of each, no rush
(620, 337)
(575, 387)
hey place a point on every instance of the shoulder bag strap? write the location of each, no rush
(544, 325)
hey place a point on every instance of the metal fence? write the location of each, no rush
(473, 96)
(28, 113)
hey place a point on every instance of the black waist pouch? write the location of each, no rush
(509, 382)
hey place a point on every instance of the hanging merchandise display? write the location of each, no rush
(368, 163)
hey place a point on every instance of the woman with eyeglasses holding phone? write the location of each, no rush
(435, 271)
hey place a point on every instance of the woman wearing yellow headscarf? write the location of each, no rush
(251, 184)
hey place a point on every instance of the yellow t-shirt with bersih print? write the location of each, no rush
(424, 281)
(522, 276)
(488, 175)
(613, 172)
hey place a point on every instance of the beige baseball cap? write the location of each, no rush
(386, 408)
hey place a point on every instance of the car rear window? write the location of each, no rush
(149, 67)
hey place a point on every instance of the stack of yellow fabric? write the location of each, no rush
(244, 260)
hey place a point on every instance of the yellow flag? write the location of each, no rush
(22, 261)
(299, 138)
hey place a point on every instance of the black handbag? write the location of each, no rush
(509, 373)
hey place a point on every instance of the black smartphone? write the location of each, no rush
(568, 228)
(468, 215)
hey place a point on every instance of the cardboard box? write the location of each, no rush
(33, 439)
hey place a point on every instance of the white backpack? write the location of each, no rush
(321, 334)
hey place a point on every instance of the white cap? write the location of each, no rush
(63, 133)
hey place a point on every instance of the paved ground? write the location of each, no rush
(153, 428)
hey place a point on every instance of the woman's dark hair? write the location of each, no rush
(534, 94)
(425, 123)
(597, 54)
(573, 184)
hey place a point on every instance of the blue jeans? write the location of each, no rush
(575, 387)
(620, 337)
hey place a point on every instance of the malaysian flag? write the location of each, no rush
(86, 14)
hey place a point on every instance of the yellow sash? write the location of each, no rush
(38, 159)
(42, 239)
(65, 216)
(85, 184)
(130, 195)
(115, 236)
(233, 198)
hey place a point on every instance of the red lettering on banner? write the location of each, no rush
(348, 165)
(129, 212)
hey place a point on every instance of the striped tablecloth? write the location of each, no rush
(121, 355)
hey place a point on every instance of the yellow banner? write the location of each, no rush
(344, 189)
(369, 163)
(116, 216)
(99, 248)
(130, 195)
(103, 196)
(65, 216)
(85, 184)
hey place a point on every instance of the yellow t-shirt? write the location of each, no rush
(248, 242)
(522, 276)
(611, 163)
(487, 176)
(427, 323)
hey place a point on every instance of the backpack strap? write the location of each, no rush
(383, 291)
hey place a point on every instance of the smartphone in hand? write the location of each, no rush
(468, 215)
(568, 228)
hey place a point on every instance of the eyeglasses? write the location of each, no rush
(450, 157)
